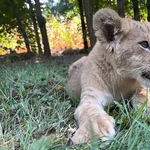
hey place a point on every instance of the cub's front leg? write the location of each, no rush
(93, 121)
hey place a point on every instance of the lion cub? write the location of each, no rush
(117, 66)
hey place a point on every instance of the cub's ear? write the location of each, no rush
(107, 25)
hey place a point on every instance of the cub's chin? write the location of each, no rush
(144, 79)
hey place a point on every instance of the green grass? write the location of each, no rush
(36, 113)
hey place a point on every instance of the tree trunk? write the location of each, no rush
(32, 13)
(136, 10)
(22, 29)
(89, 20)
(148, 10)
(84, 32)
(120, 6)
(96, 5)
(42, 25)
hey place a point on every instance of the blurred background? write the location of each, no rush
(56, 27)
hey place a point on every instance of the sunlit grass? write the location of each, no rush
(32, 103)
(35, 112)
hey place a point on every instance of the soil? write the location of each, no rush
(64, 57)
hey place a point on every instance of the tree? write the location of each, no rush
(89, 18)
(120, 6)
(84, 32)
(42, 25)
(22, 28)
(96, 5)
(61, 8)
(148, 10)
(136, 10)
(32, 13)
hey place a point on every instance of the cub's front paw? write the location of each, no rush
(98, 125)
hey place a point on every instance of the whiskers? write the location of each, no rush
(137, 72)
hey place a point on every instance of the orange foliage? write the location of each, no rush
(62, 35)
(65, 35)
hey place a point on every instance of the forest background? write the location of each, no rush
(52, 27)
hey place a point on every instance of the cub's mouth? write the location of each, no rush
(146, 75)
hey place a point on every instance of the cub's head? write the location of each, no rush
(126, 43)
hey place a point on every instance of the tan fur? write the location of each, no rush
(113, 69)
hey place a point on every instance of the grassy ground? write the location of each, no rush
(36, 113)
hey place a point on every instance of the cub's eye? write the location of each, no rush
(144, 44)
